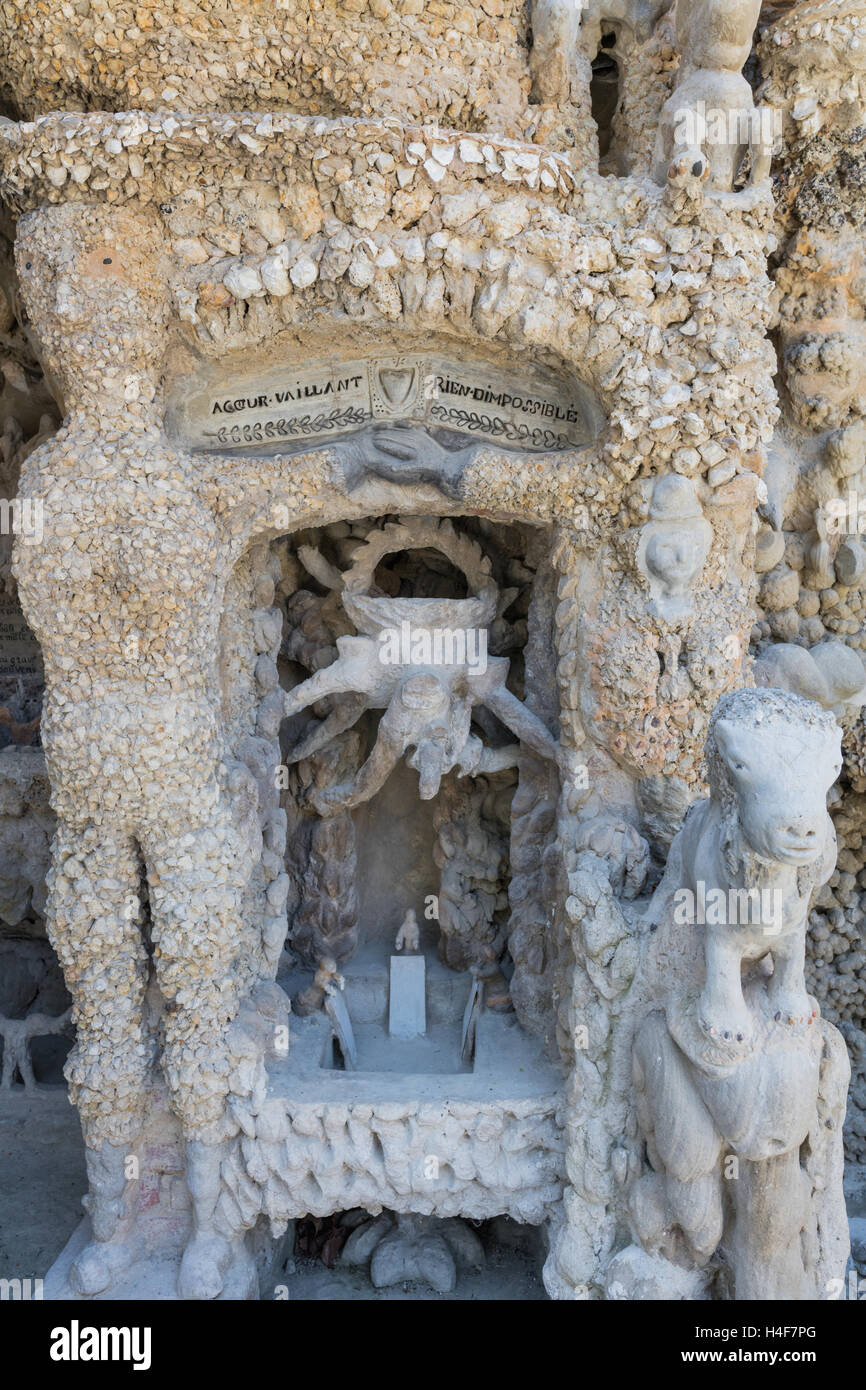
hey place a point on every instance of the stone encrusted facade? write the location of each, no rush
(195, 197)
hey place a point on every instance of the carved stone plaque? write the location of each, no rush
(529, 409)
(20, 654)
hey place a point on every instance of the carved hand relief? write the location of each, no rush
(534, 411)
(673, 546)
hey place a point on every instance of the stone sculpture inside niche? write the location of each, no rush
(673, 546)
(326, 979)
(425, 663)
(740, 1064)
(408, 937)
(320, 854)
(472, 853)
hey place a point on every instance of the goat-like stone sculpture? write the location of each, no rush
(740, 1086)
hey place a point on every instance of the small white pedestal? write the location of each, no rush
(407, 1010)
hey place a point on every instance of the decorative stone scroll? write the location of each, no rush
(529, 410)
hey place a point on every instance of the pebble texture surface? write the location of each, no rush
(197, 194)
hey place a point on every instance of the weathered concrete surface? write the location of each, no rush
(42, 1181)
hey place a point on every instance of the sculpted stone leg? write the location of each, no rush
(7, 1074)
(521, 721)
(197, 936)
(372, 775)
(215, 1262)
(771, 1199)
(347, 712)
(680, 1201)
(94, 925)
(786, 990)
(428, 759)
(349, 672)
(111, 1206)
(722, 1010)
(16, 1056)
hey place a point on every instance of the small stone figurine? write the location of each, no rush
(326, 980)
(673, 545)
(409, 936)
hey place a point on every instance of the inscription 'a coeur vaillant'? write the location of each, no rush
(532, 410)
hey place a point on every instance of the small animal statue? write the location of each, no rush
(749, 858)
(710, 116)
(20, 732)
(17, 1035)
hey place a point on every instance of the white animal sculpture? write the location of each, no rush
(752, 854)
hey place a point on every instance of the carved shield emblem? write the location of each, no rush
(397, 385)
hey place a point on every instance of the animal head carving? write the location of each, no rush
(771, 758)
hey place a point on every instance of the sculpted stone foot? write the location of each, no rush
(791, 1009)
(726, 1022)
(215, 1264)
(350, 709)
(100, 1264)
(722, 1012)
(788, 1001)
(109, 1204)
